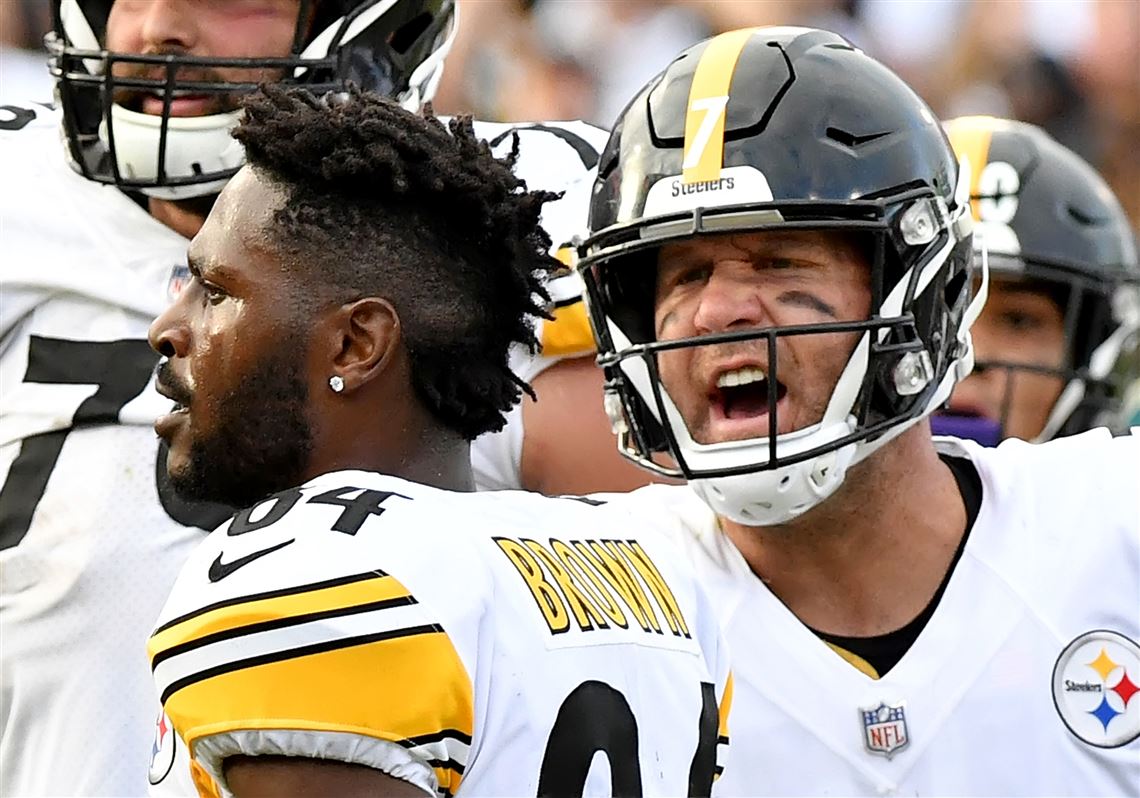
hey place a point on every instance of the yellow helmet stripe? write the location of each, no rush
(970, 136)
(708, 101)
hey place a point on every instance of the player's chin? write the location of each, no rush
(174, 429)
(170, 426)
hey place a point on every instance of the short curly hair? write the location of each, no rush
(384, 202)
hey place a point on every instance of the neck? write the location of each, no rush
(406, 443)
(869, 559)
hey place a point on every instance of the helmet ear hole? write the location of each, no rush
(406, 36)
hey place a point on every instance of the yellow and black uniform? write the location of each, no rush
(464, 642)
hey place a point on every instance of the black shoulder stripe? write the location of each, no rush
(435, 737)
(450, 764)
(565, 303)
(297, 653)
(280, 623)
(287, 591)
(585, 150)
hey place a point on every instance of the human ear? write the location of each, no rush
(366, 335)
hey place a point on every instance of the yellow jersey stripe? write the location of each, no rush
(298, 651)
(277, 623)
(855, 660)
(295, 602)
(708, 106)
(408, 688)
(288, 591)
(970, 136)
(725, 708)
(568, 333)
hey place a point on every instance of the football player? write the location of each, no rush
(95, 232)
(782, 280)
(345, 336)
(1061, 311)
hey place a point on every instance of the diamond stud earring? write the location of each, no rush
(336, 382)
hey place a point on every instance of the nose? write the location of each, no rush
(730, 298)
(168, 334)
(168, 25)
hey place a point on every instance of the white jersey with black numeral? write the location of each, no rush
(91, 537)
(1024, 682)
(469, 643)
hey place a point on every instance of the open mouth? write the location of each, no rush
(739, 402)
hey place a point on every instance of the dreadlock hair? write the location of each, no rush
(384, 202)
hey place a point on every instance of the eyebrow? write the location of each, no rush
(198, 265)
(804, 299)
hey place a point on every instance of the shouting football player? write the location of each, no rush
(91, 535)
(355, 292)
(781, 277)
(1062, 309)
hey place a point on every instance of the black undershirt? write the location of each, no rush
(883, 652)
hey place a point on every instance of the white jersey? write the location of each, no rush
(573, 149)
(1020, 684)
(91, 536)
(468, 643)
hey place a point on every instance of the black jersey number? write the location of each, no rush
(596, 717)
(120, 370)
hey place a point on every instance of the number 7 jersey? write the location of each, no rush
(470, 643)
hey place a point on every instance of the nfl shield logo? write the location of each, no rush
(884, 728)
(179, 278)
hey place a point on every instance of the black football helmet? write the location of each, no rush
(767, 129)
(1048, 218)
(392, 47)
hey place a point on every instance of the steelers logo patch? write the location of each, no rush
(162, 751)
(1096, 688)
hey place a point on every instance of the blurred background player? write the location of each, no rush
(345, 337)
(782, 280)
(1056, 343)
(91, 534)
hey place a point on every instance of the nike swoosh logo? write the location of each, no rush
(220, 570)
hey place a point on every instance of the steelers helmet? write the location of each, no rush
(392, 47)
(774, 129)
(1048, 218)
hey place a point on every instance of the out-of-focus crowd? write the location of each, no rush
(1069, 66)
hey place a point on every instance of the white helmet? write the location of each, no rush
(392, 47)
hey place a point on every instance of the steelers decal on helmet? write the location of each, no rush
(704, 179)
(162, 750)
(1096, 688)
(708, 101)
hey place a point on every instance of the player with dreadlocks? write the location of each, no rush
(356, 289)
(101, 194)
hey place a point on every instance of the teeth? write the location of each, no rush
(741, 376)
